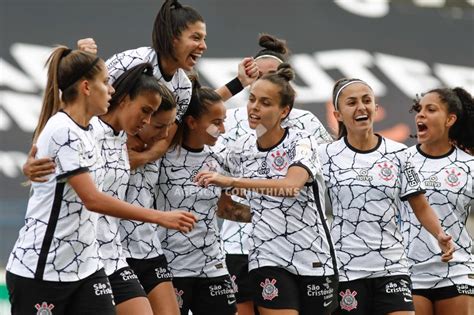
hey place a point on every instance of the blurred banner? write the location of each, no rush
(400, 47)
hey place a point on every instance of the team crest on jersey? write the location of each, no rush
(179, 297)
(270, 291)
(386, 171)
(279, 160)
(452, 177)
(348, 301)
(44, 308)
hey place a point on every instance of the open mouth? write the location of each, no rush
(194, 57)
(361, 118)
(421, 127)
(254, 117)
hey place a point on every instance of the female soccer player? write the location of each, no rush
(444, 121)
(291, 258)
(368, 177)
(55, 262)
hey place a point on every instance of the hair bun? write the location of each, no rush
(286, 71)
(269, 42)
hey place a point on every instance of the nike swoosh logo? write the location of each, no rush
(326, 303)
(174, 170)
(407, 300)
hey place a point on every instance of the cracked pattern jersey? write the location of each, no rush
(58, 241)
(179, 85)
(449, 188)
(286, 232)
(113, 147)
(235, 234)
(140, 239)
(197, 253)
(365, 189)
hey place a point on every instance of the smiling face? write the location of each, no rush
(433, 120)
(356, 108)
(158, 127)
(263, 107)
(134, 114)
(190, 45)
(206, 129)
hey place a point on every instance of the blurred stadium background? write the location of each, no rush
(401, 47)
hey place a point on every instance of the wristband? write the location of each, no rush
(234, 86)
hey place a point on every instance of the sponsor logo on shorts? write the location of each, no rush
(348, 301)
(234, 283)
(179, 297)
(128, 275)
(465, 289)
(402, 286)
(218, 289)
(325, 290)
(44, 308)
(270, 291)
(102, 288)
(163, 273)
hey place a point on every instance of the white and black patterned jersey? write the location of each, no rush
(286, 232)
(58, 241)
(179, 84)
(449, 188)
(197, 253)
(140, 239)
(235, 234)
(365, 189)
(113, 146)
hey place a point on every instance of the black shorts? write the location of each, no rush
(445, 292)
(125, 285)
(205, 296)
(92, 295)
(375, 296)
(277, 288)
(151, 272)
(238, 266)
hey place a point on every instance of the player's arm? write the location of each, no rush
(229, 209)
(97, 201)
(289, 186)
(430, 221)
(247, 73)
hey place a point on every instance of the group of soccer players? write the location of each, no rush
(134, 160)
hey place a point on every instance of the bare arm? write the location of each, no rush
(247, 74)
(290, 185)
(97, 201)
(231, 210)
(430, 221)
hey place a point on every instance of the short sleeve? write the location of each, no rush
(121, 62)
(306, 156)
(410, 180)
(69, 153)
